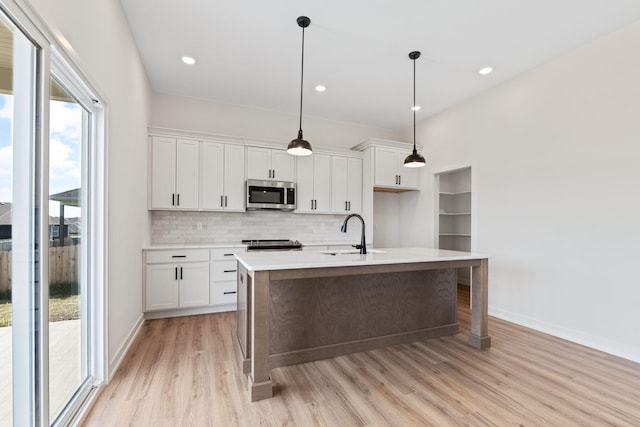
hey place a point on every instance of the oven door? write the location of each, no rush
(270, 195)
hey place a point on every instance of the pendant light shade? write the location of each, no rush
(300, 146)
(415, 159)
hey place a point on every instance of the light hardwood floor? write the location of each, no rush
(183, 372)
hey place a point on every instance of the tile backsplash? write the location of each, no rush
(171, 227)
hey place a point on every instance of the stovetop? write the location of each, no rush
(280, 244)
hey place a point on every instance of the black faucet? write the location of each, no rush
(363, 242)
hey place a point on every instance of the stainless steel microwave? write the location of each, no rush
(271, 195)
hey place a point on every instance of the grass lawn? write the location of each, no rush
(60, 308)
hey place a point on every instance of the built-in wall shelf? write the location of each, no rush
(453, 203)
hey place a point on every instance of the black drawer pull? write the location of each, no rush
(228, 254)
(230, 271)
(178, 256)
(230, 292)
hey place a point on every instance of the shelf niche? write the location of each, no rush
(454, 214)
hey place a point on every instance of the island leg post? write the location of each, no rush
(479, 334)
(260, 384)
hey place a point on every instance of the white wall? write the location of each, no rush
(555, 155)
(98, 33)
(177, 112)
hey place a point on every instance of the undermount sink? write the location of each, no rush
(350, 251)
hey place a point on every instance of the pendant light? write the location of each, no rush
(414, 160)
(299, 146)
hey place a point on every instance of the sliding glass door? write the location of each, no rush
(51, 229)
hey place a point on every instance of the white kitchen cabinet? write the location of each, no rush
(222, 177)
(314, 184)
(270, 164)
(176, 279)
(174, 172)
(389, 171)
(346, 185)
(224, 276)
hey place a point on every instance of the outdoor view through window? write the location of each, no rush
(67, 337)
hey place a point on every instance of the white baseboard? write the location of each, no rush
(190, 311)
(114, 363)
(626, 351)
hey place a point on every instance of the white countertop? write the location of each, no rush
(291, 260)
(233, 245)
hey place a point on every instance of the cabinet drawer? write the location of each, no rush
(224, 293)
(176, 256)
(226, 253)
(222, 271)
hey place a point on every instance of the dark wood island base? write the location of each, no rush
(293, 316)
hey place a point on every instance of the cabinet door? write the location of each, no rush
(409, 177)
(161, 287)
(283, 165)
(187, 174)
(163, 173)
(194, 284)
(304, 183)
(213, 162)
(258, 163)
(234, 183)
(322, 183)
(339, 183)
(354, 185)
(386, 167)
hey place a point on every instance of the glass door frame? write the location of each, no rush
(31, 355)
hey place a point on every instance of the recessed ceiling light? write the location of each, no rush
(484, 71)
(321, 88)
(416, 108)
(188, 60)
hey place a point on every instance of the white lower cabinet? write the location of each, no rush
(176, 279)
(224, 276)
(181, 282)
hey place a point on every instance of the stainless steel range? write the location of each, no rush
(273, 245)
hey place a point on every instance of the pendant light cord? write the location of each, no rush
(301, 84)
(414, 106)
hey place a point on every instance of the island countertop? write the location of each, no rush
(291, 260)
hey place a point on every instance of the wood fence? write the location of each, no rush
(63, 266)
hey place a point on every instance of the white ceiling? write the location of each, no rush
(248, 51)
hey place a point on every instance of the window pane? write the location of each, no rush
(6, 168)
(67, 215)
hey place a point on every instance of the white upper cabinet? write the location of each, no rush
(346, 185)
(222, 176)
(174, 173)
(270, 164)
(314, 184)
(389, 170)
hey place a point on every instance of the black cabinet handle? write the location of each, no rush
(221, 201)
(173, 199)
(311, 204)
(225, 201)
(230, 271)
(178, 256)
(228, 254)
(178, 198)
(399, 181)
(180, 273)
(176, 273)
(230, 292)
(349, 206)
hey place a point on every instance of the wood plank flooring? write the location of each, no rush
(183, 372)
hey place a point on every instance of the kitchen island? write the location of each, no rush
(295, 307)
